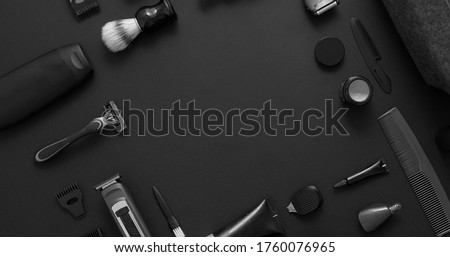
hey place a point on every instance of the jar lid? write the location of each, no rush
(330, 51)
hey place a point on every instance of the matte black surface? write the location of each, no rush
(224, 54)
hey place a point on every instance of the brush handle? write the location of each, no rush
(149, 16)
(49, 151)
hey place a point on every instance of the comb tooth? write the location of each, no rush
(95, 233)
(432, 206)
(85, 9)
(67, 190)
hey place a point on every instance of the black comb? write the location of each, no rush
(95, 233)
(71, 198)
(305, 201)
(418, 169)
(84, 9)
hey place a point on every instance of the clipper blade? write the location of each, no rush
(84, 9)
(108, 182)
(70, 198)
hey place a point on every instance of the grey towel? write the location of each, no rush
(424, 26)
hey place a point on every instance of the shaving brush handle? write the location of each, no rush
(51, 150)
(149, 16)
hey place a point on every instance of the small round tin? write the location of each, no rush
(330, 51)
(356, 90)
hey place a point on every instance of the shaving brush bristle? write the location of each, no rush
(117, 35)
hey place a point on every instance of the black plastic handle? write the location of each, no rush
(149, 16)
(49, 151)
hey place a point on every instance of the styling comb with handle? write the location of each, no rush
(418, 169)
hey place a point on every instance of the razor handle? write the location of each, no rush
(124, 211)
(51, 150)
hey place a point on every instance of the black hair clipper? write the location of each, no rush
(37, 83)
(122, 208)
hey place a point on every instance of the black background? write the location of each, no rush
(223, 54)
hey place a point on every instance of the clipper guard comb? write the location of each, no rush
(71, 198)
(84, 9)
(95, 233)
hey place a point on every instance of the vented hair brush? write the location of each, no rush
(117, 35)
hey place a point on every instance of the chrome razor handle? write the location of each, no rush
(49, 151)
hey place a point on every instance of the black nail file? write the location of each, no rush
(418, 169)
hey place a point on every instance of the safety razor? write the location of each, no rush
(111, 122)
(122, 208)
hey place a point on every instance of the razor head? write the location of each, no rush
(70, 198)
(113, 118)
(114, 179)
(318, 7)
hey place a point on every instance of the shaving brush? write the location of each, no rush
(117, 35)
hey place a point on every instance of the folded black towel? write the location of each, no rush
(424, 26)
